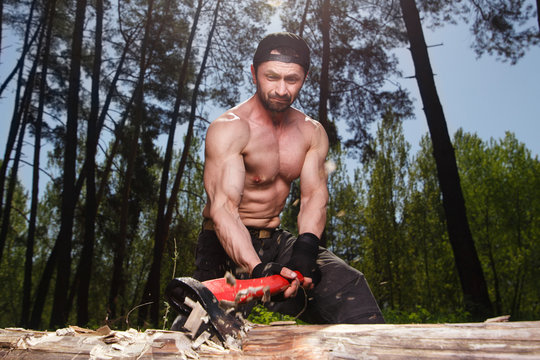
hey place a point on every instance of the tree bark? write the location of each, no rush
(87, 252)
(304, 19)
(59, 313)
(48, 17)
(538, 13)
(11, 189)
(470, 272)
(324, 84)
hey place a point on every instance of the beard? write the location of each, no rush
(277, 104)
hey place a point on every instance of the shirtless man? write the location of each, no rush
(253, 153)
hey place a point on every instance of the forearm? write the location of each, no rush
(312, 215)
(235, 239)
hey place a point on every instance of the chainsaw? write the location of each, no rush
(209, 306)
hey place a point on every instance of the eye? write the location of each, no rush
(292, 80)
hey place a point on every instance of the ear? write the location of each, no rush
(253, 74)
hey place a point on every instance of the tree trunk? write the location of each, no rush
(11, 189)
(19, 66)
(160, 223)
(17, 113)
(137, 113)
(43, 289)
(59, 314)
(162, 226)
(105, 175)
(538, 13)
(324, 85)
(304, 19)
(1, 23)
(100, 124)
(20, 116)
(152, 288)
(87, 252)
(28, 267)
(470, 272)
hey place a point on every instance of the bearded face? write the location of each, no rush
(278, 84)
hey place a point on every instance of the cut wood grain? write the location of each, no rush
(507, 340)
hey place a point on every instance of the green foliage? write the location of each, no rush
(388, 221)
(501, 186)
(421, 315)
(386, 196)
(13, 258)
(261, 315)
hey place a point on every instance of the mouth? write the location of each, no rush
(280, 100)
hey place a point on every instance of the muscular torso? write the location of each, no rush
(272, 157)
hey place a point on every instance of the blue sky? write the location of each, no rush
(482, 96)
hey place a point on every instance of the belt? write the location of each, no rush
(208, 224)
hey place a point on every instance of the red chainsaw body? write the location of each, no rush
(245, 290)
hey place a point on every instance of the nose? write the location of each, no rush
(281, 88)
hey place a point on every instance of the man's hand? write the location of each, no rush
(295, 284)
(272, 268)
(304, 259)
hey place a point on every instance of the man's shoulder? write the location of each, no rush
(227, 131)
(230, 119)
(306, 122)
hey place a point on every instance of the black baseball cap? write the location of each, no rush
(283, 40)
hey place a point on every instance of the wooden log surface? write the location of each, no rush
(509, 340)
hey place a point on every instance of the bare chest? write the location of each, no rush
(271, 156)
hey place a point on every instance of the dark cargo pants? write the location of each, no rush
(342, 297)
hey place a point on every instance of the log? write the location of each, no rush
(508, 340)
(512, 340)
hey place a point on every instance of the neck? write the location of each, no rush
(277, 118)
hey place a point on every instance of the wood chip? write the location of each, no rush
(65, 332)
(200, 340)
(80, 330)
(503, 318)
(231, 280)
(104, 330)
(282, 323)
(195, 319)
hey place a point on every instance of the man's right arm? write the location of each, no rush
(224, 176)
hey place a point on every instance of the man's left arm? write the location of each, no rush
(312, 216)
(313, 185)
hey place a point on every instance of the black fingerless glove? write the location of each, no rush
(304, 256)
(268, 269)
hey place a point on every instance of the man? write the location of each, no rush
(253, 153)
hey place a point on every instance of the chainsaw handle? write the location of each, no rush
(246, 290)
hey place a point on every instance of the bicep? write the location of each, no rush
(313, 177)
(224, 171)
(224, 179)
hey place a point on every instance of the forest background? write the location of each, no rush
(110, 104)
